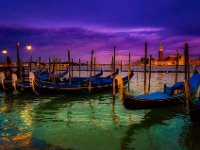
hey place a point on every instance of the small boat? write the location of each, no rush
(52, 88)
(26, 86)
(170, 95)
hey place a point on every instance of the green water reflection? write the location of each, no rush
(94, 122)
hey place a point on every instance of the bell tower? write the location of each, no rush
(160, 52)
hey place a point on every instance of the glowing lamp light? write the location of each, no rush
(4, 51)
(28, 47)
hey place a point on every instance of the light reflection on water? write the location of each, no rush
(95, 121)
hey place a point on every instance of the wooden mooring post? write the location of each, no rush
(49, 68)
(149, 88)
(121, 66)
(129, 70)
(30, 64)
(186, 81)
(39, 63)
(53, 80)
(69, 67)
(114, 74)
(18, 62)
(145, 68)
(94, 66)
(72, 64)
(177, 64)
(79, 68)
(91, 64)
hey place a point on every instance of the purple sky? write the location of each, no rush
(54, 26)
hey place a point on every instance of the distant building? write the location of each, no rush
(169, 60)
(160, 52)
(195, 62)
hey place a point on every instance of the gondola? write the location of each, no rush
(97, 84)
(170, 96)
(26, 86)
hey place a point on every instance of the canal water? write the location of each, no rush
(95, 121)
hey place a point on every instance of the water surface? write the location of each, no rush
(95, 121)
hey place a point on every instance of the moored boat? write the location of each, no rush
(97, 84)
(170, 95)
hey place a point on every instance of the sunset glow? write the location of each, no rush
(81, 26)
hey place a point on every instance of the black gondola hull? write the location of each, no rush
(131, 102)
(53, 90)
(195, 114)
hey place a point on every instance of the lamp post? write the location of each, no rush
(18, 60)
(28, 47)
(4, 52)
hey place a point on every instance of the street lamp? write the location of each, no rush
(4, 51)
(29, 47)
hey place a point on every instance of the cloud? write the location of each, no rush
(180, 17)
(48, 42)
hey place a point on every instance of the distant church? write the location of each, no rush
(169, 60)
(160, 52)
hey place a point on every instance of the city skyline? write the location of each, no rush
(52, 27)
